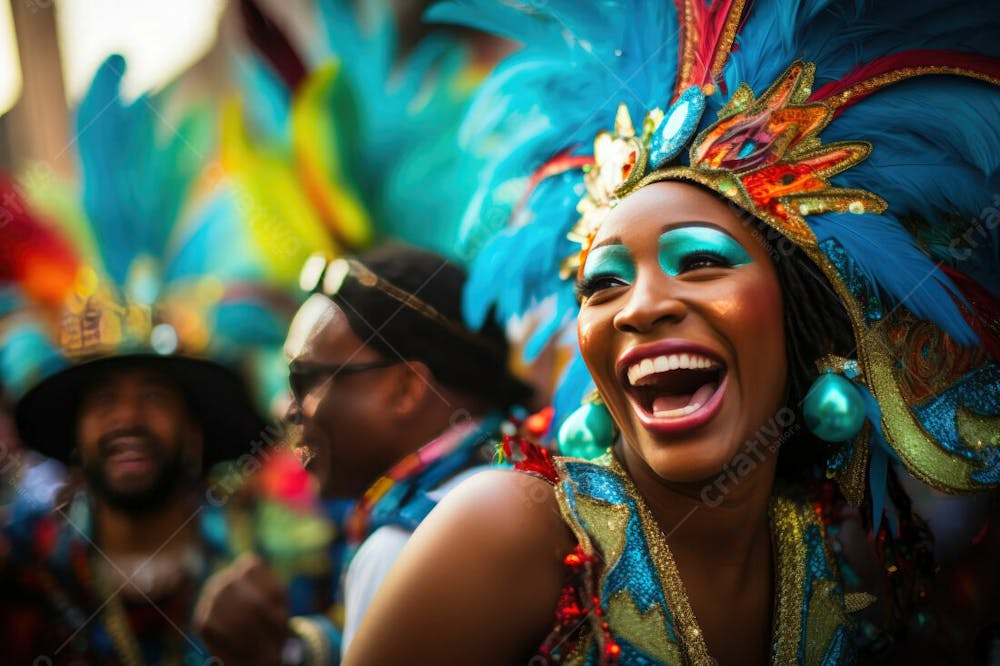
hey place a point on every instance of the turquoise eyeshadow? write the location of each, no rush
(610, 260)
(678, 244)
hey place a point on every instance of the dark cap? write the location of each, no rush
(406, 302)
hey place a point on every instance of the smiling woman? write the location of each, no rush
(768, 317)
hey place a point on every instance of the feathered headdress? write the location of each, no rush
(356, 138)
(865, 133)
(137, 261)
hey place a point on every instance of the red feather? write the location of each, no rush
(707, 33)
(530, 458)
(561, 163)
(32, 254)
(882, 72)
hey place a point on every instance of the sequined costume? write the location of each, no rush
(623, 600)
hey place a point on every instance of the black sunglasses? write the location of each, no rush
(304, 377)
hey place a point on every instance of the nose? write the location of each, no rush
(126, 411)
(652, 300)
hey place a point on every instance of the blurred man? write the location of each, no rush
(398, 402)
(112, 575)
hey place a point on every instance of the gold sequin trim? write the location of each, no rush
(670, 579)
(726, 38)
(873, 84)
(788, 542)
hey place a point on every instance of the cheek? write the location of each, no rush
(585, 333)
(86, 434)
(168, 424)
(594, 327)
(342, 415)
(758, 322)
(594, 334)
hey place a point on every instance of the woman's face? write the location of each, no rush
(681, 327)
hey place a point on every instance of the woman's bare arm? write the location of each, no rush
(477, 583)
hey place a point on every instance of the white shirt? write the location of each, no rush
(375, 558)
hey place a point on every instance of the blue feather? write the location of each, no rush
(133, 203)
(412, 180)
(27, 356)
(248, 323)
(574, 384)
(519, 267)
(908, 276)
(216, 223)
(267, 100)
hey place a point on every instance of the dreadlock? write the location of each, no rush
(815, 324)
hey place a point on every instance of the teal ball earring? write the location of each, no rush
(588, 432)
(833, 410)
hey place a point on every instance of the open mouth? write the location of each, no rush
(675, 391)
(130, 453)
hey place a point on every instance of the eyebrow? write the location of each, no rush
(612, 240)
(695, 223)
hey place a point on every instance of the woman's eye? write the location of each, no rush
(591, 285)
(697, 260)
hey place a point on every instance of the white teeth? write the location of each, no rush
(665, 363)
(675, 413)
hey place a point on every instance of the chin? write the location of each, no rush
(688, 463)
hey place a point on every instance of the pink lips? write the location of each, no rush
(674, 425)
(129, 455)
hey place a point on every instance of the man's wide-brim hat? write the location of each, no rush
(216, 396)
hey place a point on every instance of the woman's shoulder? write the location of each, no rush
(508, 511)
(479, 580)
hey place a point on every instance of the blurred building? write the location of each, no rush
(50, 49)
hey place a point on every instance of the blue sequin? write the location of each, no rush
(634, 571)
(858, 284)
(677, 127)
(978, 392)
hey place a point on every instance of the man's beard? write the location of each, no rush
(171, 474)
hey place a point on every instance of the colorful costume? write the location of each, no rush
(863, 135)
(349, 133)
(57, 606)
